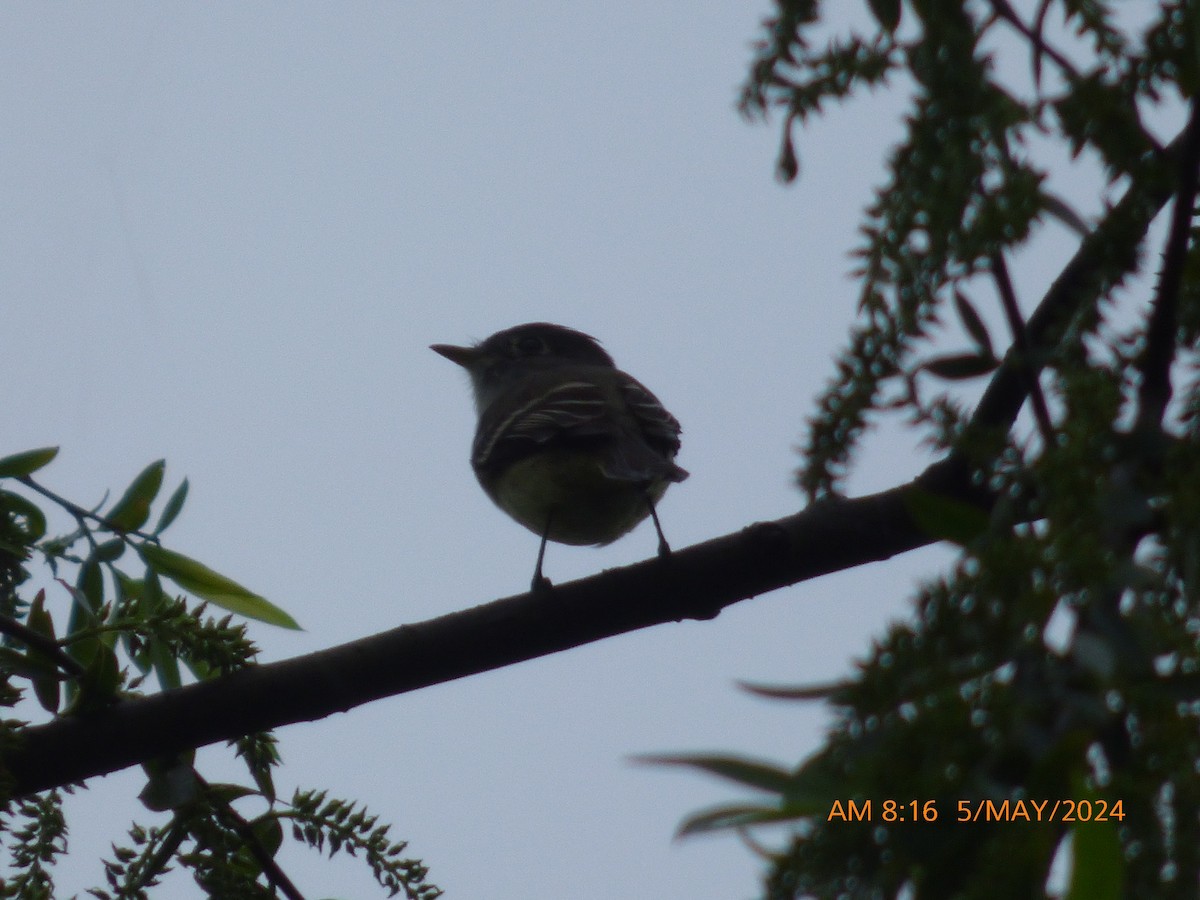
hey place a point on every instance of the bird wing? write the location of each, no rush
(587, 414)
(567, 411)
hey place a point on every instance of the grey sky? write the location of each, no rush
(233, 229)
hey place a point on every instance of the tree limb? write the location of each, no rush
(1159, 351)
(696, 582)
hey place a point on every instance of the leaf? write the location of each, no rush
(99, 686)
(886, 12)
(166, 665)
(199, 579)
(787, 166)
(27, 665)
(1098, 872)
(1098, 869)
(132, 510)
(797, 692)
(81, 603)
(945, 518)
(46, 685)
(974, 325)
(173, 507)
(269, 833)
(724, 818)
(110, 550)
(1061, 210)
(960, 366)
(26, 463)
(226, 792)
(27, 516)
(758, 775)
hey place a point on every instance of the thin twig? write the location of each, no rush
(1005, 12)
(274, 874)
(1008, 299)
(42, 644)
(82, 515)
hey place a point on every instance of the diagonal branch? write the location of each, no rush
(1029, 368)
(1159, 351)
(696, 582)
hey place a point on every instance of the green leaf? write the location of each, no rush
(98, 688)
(724, 818)
(27, 516)
(886, 12)
(960, 366)
(132, 510)
(1098, 872)
(945, 518)
(225, 792)
(809, 791)
(110, 550)
(173, 507)
(794, 692)
(759, 775)
(974, 325)
(45, 685)
(199, 579)
(19, 464)
(269, 832)
(27, 665)
(166, 665)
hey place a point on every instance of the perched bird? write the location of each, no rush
(567, 444)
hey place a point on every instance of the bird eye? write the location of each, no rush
(530, 346)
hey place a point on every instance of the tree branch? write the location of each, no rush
(696, 582)
(1159, 351)
(1012, 311)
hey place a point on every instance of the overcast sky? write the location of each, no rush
(231, 233)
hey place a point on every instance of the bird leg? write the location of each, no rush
(664, 549)
(541, 582)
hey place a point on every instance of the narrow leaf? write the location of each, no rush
(199, 579)
(1061, 210)
(759, 775)
(1098, 872)
(173, 507)
(27, 462)
(110, 550)
(45, 684)
(960, 366)
(795, 692)
(132, 510)
(724, 818)
(887, 13)
(787, 166)
(269, 833)
(166, 665)
(27, 665)
(974, 325)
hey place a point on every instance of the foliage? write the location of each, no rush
(123, 632)
(1060, 659)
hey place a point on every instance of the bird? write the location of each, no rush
(567, 444)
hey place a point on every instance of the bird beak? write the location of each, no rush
(464, 356)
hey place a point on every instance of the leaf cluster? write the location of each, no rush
(123, 631)
(1060, 658)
